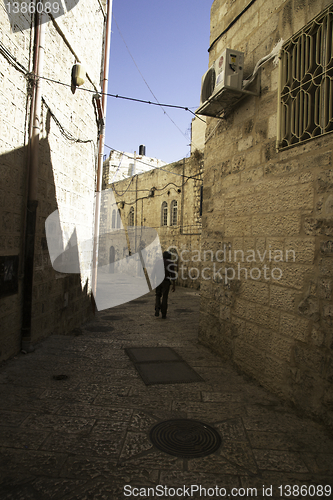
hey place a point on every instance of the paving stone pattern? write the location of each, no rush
(86, 436)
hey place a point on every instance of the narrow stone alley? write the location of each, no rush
(76, 417)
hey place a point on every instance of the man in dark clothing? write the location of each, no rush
(162, 291)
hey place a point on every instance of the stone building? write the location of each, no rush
(268, 201)
(120, 165)
(66, 168)
(167, 199)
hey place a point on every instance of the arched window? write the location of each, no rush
(174, 213)
(118, 220)
(131, 217)
(164, 214)
(113, 221)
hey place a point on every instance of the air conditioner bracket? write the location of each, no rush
(221, 103)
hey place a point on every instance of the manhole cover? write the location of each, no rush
(185, 438)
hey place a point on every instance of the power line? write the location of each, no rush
(146, 197)
(66, 133)
(143, 78)
(117, 96)
(154, 168)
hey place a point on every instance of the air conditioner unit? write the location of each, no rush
(226, 72)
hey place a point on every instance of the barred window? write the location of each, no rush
(174, 213)
(131, 217)
(164, 214)
(306, 85)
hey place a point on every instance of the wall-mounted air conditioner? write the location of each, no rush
(225, 72)
(222, 86)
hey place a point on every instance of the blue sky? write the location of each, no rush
(168, 40)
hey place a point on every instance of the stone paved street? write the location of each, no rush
(75, 417)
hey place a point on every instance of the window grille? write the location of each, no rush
(131, 217)
(164, 214)
(174, 213)
(306, 85)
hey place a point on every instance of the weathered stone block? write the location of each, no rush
(317, 226)
(282, 298)
(255, 292)
(313, 358)
(276, 225)
(267, 316)
(244, 309)
(325, 181)
(325, 287)
(294, 326)
(281, 347)
(326, 247)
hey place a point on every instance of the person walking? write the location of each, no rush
(162, 290)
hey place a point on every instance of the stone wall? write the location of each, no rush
(272, 210)
(66, 176)
(180, 181)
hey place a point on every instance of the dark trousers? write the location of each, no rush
(162, 292)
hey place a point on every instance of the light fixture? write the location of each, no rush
(78, 74)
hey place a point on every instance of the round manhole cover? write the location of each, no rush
(185, 438)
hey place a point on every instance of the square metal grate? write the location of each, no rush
(161, 365)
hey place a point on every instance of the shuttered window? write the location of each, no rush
(174, 213)
(164, 214)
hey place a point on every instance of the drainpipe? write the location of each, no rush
(32, 187)
(106, 62)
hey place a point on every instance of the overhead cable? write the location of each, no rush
(154, 168)
(231, 24)
(117, 96)
(66, 133)
(143, 78)
(12, 60)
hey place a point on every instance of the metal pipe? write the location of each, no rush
(106, 63)
(33, 174)
(32, 203)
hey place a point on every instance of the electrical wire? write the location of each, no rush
(145, 163)
(66, 133)
(145, 81)
(231, 24)
(117, 96)
(12, 60)
(147, 197)
(142, 190)
(122, 194)
(21, 68)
